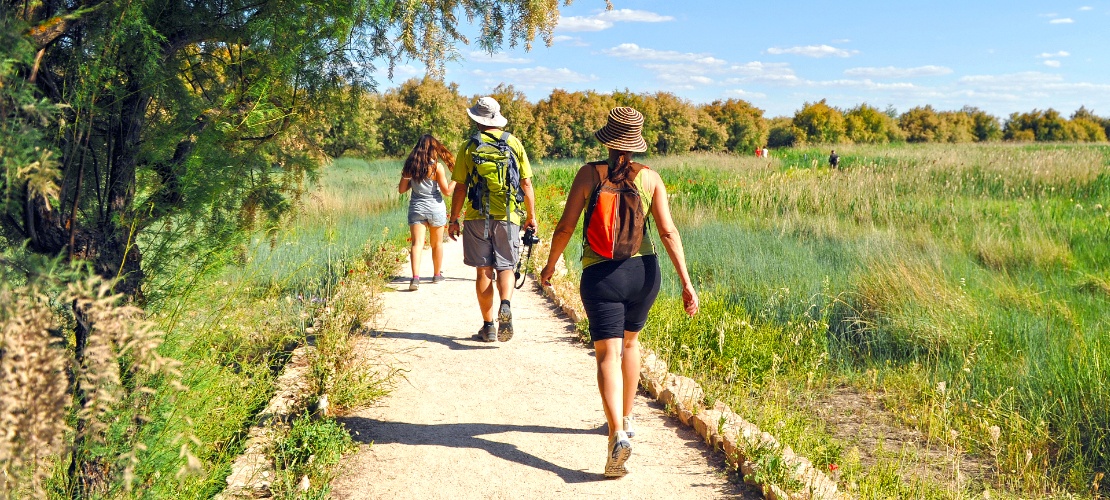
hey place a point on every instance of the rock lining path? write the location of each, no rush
(518, 419)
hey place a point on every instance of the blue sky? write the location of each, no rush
(999, 56)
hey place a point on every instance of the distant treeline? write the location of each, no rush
(562, 125)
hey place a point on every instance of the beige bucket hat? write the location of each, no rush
(623, 131)
(487, 112)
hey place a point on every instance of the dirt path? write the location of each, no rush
(519, 419)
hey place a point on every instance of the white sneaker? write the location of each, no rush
(627, 424)
(619, 451)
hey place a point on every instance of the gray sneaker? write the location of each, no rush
(620, 448)
(438, 278)
(485, 334)
(414, 284)
(504, 323)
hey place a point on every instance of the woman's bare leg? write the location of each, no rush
(416, 251)
(610, 382)
(630, 366)
(435, 236)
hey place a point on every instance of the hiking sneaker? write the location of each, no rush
(628, 423)
(438, 278)
(414, 283)
(619, 451)
(486, 334)
(504, 323)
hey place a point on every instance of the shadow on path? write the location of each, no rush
(464, 435)
(451, 342)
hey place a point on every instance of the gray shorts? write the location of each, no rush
(435, 216)
(500, 251)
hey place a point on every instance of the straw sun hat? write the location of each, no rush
(487, 112)
(623, 130)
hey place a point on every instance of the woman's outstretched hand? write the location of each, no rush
(690, 299)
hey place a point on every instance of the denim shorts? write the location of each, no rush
(435, 216)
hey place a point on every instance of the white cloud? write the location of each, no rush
(1086, 8)
(893, 72)
(539, 77)
(1052, 63)
(761, 72)
(497, 57)
(607, 19)
(1062, 20)
(633, 16)
(633, 51)
(1047, 55)
(569, 40)
(1012, 81)
(680, 81)
(745, 94)
(813, 51)
(864, 84)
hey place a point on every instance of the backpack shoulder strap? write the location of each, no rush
(601, 172)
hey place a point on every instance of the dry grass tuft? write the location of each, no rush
(41, 380)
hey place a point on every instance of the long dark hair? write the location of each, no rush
(620, 165)
(421, 163)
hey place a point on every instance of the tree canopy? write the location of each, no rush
(134, 129)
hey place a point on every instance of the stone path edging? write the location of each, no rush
(719, 426)
(252, 472)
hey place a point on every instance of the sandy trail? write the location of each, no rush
(517, 419)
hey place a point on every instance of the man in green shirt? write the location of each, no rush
(491, 243)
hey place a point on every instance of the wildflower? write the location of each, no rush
(995, 433)
(941, 387)
(833, 467)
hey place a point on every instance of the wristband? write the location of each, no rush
(455, 221)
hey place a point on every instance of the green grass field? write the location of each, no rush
(233, 330)
(967, 287)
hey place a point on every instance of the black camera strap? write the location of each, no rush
(518, 275)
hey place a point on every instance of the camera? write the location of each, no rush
(530, 237)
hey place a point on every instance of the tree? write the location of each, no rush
(423, 106)
(867, 125)
(1046, 125)
(1089, 127)
(985, 126)
(568, 121)
(711, 136)
(674, 121)
(921, 124)
(783, 133)
(162, 96)
(821, 123)
(956, 127)
(744, 123)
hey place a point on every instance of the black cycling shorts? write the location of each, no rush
(617, 295)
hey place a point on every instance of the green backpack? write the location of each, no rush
(496, 174)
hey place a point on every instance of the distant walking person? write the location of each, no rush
(424, 175)
(493, 177)
(620, 270)
(834, 160)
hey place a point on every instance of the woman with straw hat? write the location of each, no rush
(618, 293)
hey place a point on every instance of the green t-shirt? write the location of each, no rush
(464, 164)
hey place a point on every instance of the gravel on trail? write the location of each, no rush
(516, 419)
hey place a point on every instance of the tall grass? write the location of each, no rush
(975, 269)
(234, 329)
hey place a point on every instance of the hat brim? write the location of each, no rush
(497, 120)
(614, 140)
